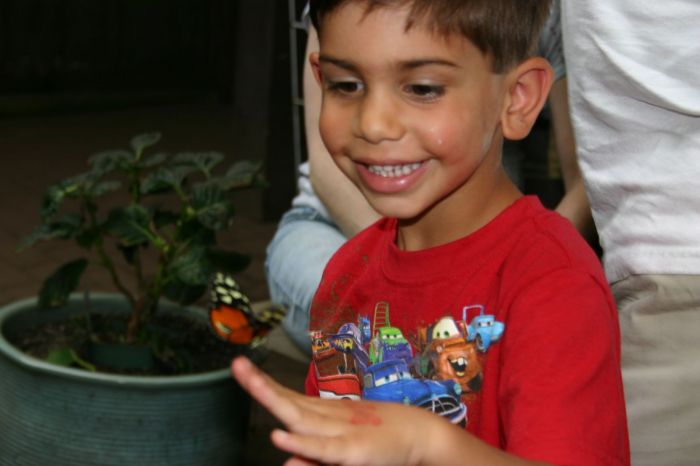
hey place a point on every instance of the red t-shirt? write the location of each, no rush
(551, 386)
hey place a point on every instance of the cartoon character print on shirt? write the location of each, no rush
(455, 349)
(446, 353)
(376, 362)
(391, 375)
(443, 375)
(340, 360)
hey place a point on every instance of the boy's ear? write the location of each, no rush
(316, 67)
(528, 89)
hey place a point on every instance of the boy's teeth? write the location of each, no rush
(389, 171)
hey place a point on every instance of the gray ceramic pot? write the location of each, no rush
(53, 415)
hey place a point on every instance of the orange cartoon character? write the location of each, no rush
(232, 317)
(447, 354)
(453, 356)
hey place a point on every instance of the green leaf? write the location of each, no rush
(78, 184)
(129, 253)
(130, 225)
(142, 141)
(76, 187)
(155, 159)
(242, 174)
(69, 226)
(182, 293)
(228, 262)
(192, 268)
(212, 209)
(51, 201)
(55, 195)
(106, 162)
(202, 161)
(88, 237)
(216, 216)
(155, 183)
(194, 233)
(165, 178)
(206, 194)
(162, 218)
(40, 233)
(104, 187)
(67, 357)
(58, 287)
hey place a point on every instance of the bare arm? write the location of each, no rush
(574, 205)
(360, 432)
(344, 201)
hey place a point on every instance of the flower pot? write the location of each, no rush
(58, 415)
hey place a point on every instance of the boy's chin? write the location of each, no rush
(400, 209)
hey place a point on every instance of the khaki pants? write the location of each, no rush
(660, 326)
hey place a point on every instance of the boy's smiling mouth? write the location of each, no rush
(393, 171)
(391, 178)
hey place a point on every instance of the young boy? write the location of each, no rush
(417, 99)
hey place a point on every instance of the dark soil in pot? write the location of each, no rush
(175, 344)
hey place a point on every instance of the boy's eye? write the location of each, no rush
(425, 91)
(344, 87)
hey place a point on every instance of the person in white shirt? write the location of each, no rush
(634, 78)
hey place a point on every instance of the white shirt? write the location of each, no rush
(634, 88)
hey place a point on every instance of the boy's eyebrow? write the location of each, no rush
(411, 64)
(407, 65)
(337, 62)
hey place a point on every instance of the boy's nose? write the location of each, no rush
(378, 119)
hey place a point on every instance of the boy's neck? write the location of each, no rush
(459, 215)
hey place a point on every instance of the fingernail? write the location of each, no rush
(242, 361)
(280, 434)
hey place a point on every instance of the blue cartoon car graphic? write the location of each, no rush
(391, 381)
(484, 328)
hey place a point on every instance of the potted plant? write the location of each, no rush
(160, 214)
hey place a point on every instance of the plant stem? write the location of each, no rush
(137, 316)
(107, 263)
(138, 267)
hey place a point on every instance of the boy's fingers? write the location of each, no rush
(296, 461)
(331, 418)
(301, 414)
(242, 369)
(278, 400)
(251, 378)
(313, 448)
(245, 372)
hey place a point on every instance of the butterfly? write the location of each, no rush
(234, 319)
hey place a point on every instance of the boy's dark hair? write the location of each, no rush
(505, 30)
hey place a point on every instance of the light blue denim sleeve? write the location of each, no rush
(550, 44)
(296, 256)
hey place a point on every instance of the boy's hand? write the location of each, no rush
(343, 431)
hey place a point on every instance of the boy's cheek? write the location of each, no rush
(334, 132)
(336, 142)
(348, 167)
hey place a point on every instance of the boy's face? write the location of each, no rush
(407, 115)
